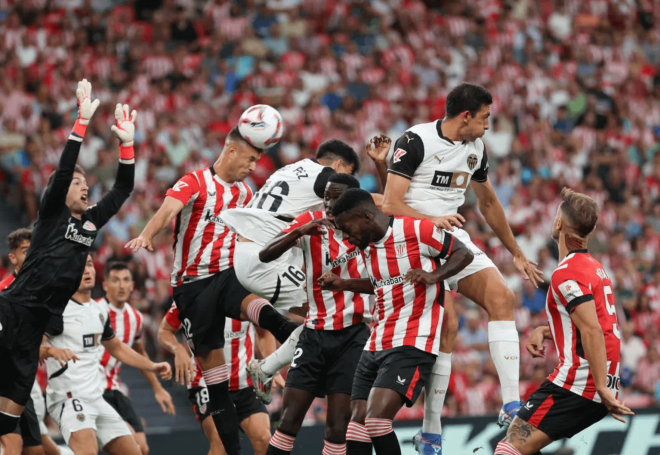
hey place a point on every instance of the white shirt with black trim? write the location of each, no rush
(439, 169)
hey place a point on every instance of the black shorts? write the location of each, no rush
(560, 413)
(325, 361)
(28, 426)
(245, 401)
(404, 369)
(124, 408)
(205, 304)
(21, 331)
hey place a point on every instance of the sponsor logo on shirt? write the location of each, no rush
(73, 235)
(233, 335)
(343, 259)
(210, 217)
(377, 284)
(398, 154)
(90, 340)
(454, 180)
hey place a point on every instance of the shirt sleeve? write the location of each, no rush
(300, 221)
(481, 174)
(408, 155)
(322, 181)
(572, 287)
(436, 243)
(172, 317)
(108, 331)
(55, 326)
(185, 188)
(112, 201)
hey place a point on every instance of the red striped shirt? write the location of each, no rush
(203, 245)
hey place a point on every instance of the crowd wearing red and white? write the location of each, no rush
(576, 87)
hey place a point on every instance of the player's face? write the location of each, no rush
(332, 192)
(244, 160)
(89, 276)
(477, 125)
(17, 257)
(76, 198)
(355, 229)
(118, 286)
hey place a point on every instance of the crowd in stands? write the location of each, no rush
(576, 87)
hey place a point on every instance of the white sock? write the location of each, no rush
(505, 351)
(436, 391)
(283, 356)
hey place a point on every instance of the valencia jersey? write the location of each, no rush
(439, 169)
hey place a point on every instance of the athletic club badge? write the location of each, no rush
(89, 226)
(401, 250)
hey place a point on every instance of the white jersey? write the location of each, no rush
(83, 327)
(287, 194)
(439, 170)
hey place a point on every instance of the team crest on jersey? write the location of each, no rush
(398, 154)
(401, 250)
(472, 161)
(89, 226)
(81, 417)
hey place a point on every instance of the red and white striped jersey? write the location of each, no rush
(406, 314)
(127, 324)
(580, 278)
(239, 351)
(330, 310)
(203, 245)
(6, 281)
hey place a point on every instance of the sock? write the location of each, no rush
(383, 436)
(330, 448)
(505, 448)
(280, 444)
(283, 356)
(222, 409)
(263, 314)
(358, 441)
(436, 391)
(8, 423)
(505, 351)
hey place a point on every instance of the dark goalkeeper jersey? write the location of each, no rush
(60, 242)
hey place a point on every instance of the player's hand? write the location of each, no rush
(419, 276)
(164, 399)
(616, 408)
(534, 344)
(61, 355)
(163, 370)
(140, 242)
(378, 148)
(316, 227)
(184, 367)
(86, 107)
(448, 222)
(330, 282)
(528, 270)
(125, 127)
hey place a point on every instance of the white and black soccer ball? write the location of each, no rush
(261, 126)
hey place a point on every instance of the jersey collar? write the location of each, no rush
(581, 250)
(217, 178)
(438, 127)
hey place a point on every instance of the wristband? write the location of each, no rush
(127, 153)
(78, 131)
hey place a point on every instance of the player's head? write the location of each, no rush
(357, 216)
(469, 104)
(18, 242)
(89, 276)
(576, 216)
(238, 157)
(337, 185)
(118, 282)
(76, 198)
(339, 156)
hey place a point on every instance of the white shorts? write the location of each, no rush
(39, 406)
(480, 262)
(75, 414)
(281, 282)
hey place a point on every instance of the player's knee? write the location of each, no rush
(500, 305)
(144, 447)
(85, 451)
(359, 411)
(8, 423)
(260, 441)
(289, 424)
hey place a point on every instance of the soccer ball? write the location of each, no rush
(261, 126)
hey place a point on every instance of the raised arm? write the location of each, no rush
(163, 217)
(377, 149)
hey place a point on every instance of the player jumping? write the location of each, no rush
(584, 387)
(401, 256)
(63, 234)
(432, 165)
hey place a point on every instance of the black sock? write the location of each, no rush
(223, 412)
(387, 444)
(359, 448)
(271, 320)
(8, 423)
(275, 451)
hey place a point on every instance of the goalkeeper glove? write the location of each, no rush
(125, 131)
(86, 109)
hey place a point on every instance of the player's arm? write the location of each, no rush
(377, 149)
(183, 363)
(493, 212)
(331, 282)
(535, 342)
(121, 190)
(169, 209)
(408, 156)
(162, 396)
(54, 328)
(438, 244)
(54, 197)
(289, 237)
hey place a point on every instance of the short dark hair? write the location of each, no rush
(76, 169)
(15, 238)
(351, 200)
(467, 97)
(581, 211)
(334, 149)
(236, 136)
(116, 266)
(344, 179)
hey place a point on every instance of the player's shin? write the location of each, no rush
(222, 408)
(358, 441)
(262, 313)
(383, 436)
(505, 351)
(436, 391)
(282, 356)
